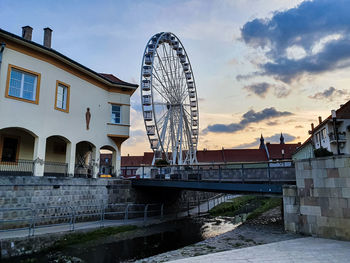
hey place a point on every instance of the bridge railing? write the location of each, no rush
(279, 171)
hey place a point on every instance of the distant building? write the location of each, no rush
(333, 134)
(265, 152)
(305, 151)
(326, 132)
(56, 114)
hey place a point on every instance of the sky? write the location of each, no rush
(261, 66)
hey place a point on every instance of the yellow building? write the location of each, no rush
(55, 114)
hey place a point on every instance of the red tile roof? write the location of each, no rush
(232, 155)
(207, 156)
(275, 150)
(115, 80)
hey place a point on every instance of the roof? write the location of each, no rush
(308, 140)
(275, 150)
(145, 159)
(232, 155)
(55, 54)
(342, 113)
(115, 80)
(207, 156)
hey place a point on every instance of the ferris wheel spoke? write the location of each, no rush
(165, 71)
(163, 87)
(166, 55)
(174, 60)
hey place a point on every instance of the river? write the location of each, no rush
(140, 243)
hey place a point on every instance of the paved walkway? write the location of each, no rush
(307, 249)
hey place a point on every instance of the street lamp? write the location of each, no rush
(335, 129)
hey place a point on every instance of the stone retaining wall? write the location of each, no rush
(319, 204)
(57, 196)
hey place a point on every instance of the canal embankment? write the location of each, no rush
(248, 222)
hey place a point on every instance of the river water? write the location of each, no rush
(141, 243)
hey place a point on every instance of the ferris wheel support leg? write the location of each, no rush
(180, 133)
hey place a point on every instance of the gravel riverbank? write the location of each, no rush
(267, 228)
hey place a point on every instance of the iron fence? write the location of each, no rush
(17, 168)
(55, 169)
(32, 219)
(83, 171)
(278, 171)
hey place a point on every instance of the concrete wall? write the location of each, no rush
(319, 204)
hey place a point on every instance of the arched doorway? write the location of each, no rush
(56, 156)
(16, 151)
(107, 161)
(85, 159)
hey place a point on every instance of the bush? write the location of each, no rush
(161, 163)
(322, 152)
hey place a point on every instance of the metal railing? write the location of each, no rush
(83, 171)
(17, 168)
(341, 137)
(32, 219)
(55, 169)
(279, 171)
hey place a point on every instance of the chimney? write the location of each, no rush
(27, 33)
(312, 127)
(319, 119)
(47, 37)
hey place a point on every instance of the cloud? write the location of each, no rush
(247, 118)
(272, 139)
(282, 92)
(299, 127)
(311, 38)
(272, 123)
(259, 89)
(329, 94)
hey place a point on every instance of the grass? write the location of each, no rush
(267, 204)
(254, 205)
(231, 208)
(78, 238)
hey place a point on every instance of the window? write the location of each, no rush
(323, 134)
(62, 96)
(318, 137)
(9, 149)
(115, 114)
(22, 84)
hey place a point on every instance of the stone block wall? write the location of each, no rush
(56, 196)
(319, 204)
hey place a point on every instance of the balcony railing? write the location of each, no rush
(84, 171)
(55, 169)
(341, 137)
(17, 168)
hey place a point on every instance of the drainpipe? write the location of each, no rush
(2, 47)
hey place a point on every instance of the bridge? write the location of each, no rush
(258, 178)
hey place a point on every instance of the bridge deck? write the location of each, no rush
(214, 186)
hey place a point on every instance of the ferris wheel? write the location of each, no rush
(169, 100)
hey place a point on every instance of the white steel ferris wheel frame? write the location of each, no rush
(169, 100)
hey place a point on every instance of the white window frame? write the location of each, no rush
(62, 100)
(34, 87)
(120, 114)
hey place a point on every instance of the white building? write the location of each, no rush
(55, 114)
(324, 134)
